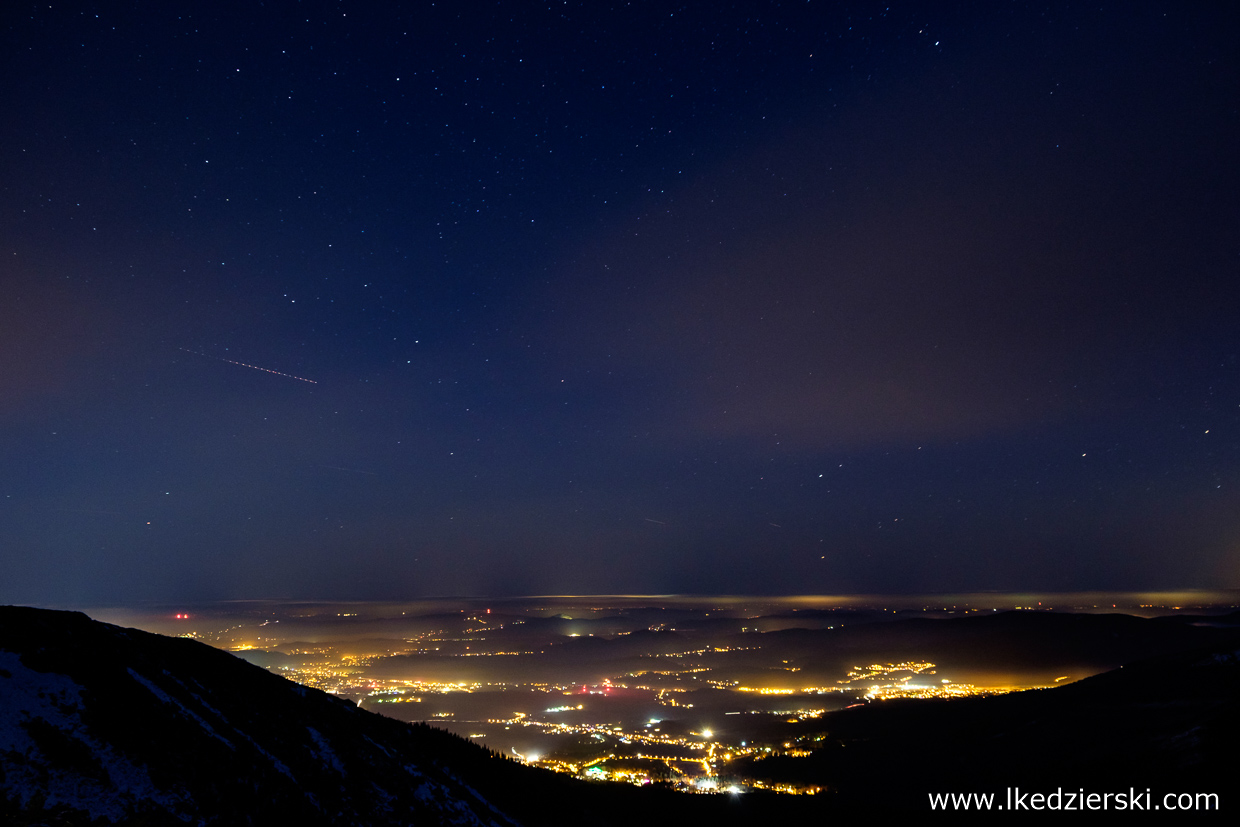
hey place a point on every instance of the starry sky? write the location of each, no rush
(389, 300)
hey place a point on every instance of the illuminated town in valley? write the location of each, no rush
(694, 693)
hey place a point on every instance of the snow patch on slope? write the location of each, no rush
(324, 752)
(168, 699)
(43, 711)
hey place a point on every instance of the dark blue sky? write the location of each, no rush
(775, 297)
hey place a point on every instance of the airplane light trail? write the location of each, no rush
(244, 365)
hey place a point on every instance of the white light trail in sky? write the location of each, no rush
(244, 365)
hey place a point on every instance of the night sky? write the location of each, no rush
(388, 300)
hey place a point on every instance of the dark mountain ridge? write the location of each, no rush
(1168, 723)
(1013, 640)
(122, 725)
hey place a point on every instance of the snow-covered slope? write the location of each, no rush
(100, 724)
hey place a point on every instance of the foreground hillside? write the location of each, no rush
(117, 724)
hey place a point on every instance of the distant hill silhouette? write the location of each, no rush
(1007, 641)
(1169, 723)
